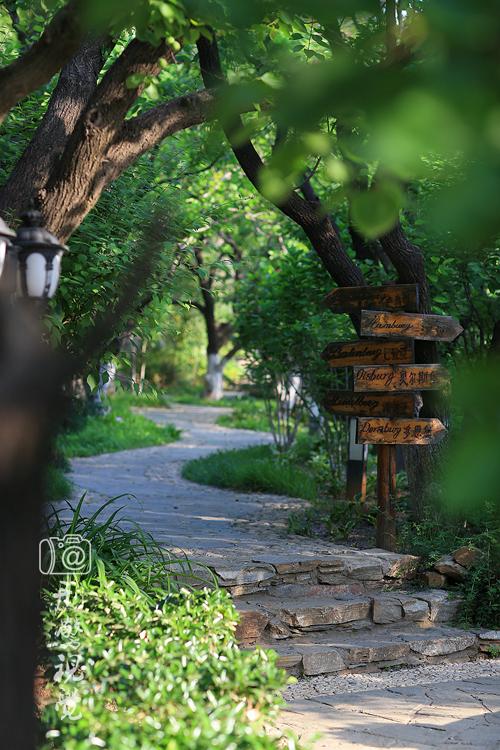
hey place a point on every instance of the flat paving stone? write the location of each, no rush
(448, 714)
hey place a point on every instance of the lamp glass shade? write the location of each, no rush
(35, 275)
(53, 274)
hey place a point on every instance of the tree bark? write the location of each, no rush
(307, 214)
(71, 183)
(77, 82)
(422, 462)
(42, 60)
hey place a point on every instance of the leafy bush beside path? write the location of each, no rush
(165, 678)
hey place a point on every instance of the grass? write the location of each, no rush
(192, 400)
(119, 430)
(247, 414)
(57, 484)
(254, 469)
(130, 556)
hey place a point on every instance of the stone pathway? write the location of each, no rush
(243, 536)
(199, 520)
(459, 714)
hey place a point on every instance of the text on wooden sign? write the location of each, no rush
(400, 431)
(366, 352)
(411, 325)
(348, 299)
(400, 378)
(373, 404)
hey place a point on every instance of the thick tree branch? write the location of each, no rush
(236, 348)
(42, 60)
(315, 223)
(77, 82)
(67, 193)
(141, 133)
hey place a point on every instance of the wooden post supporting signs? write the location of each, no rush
(386, 398)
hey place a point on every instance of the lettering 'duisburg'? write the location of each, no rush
(400, 378)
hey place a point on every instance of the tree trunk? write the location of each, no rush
(71, 183)
(422, 462)
(76, 85)
(58, 43)
(214, 379)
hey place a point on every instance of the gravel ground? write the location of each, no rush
(309, 687)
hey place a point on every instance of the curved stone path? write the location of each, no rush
(204, 522)
(443, 705)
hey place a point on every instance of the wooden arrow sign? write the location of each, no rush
(400, 378)
(366, 352)
(349, 299)
(400, 431)
(410, 325)
(347, 403)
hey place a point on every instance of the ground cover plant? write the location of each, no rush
(254, 469)
(439, 532)
(247, 414)
(120, 429)
(134, 659)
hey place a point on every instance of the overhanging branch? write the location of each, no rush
(44, 58)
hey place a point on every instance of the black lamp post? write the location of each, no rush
(39, 256)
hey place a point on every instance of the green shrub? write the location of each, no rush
(254, 469)
(247, 414)
(118, 430)
(129, 555)
(438, 533)
(126, 675)
(135, 662)
(481, 589)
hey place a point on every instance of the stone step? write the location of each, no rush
(395, 646)
(275, 617)
(347, 652)
(344, 569)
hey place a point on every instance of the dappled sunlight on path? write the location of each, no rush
(196, 519)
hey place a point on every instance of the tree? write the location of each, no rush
(333, 107)
(226, 263)
(92, 138)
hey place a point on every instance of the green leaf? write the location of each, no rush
(376, 211)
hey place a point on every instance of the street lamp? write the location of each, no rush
(6, 239)
(39, 256)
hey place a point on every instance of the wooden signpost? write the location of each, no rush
(400, 378)
(347, 403)
(399, 431)
(342, 354)
(425, 327)
(386, 380)
(349, 299)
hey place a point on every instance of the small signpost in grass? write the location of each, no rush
(386, 382)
